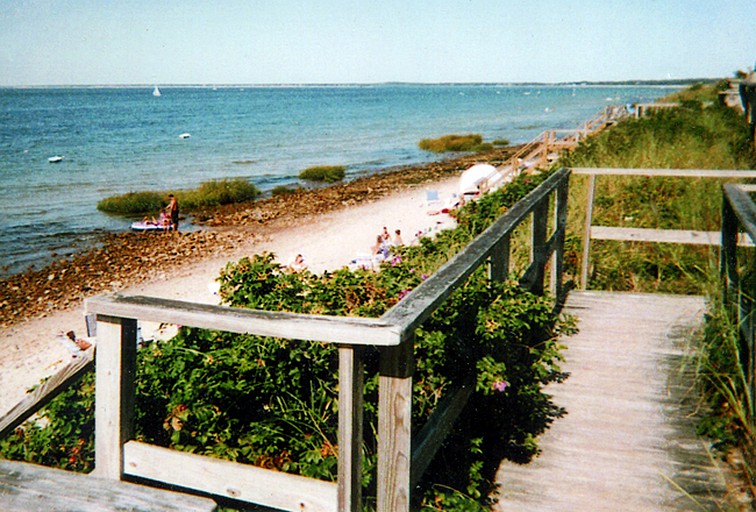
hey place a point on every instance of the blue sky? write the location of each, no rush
(45, 42)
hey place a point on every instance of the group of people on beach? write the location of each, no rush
(169, 216)
(384, 242)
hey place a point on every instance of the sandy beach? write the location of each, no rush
(329, 233)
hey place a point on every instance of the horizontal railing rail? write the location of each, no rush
(628, 234)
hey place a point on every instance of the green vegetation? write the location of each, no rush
(324, 173)
(689, 137)
(273, 402)
(500, 142)
(457, 143)
(133, 203)
(218, 192)
(209, 193)
(283, 190)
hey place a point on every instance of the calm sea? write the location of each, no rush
(117, 140)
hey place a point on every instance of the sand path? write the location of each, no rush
(31, 350)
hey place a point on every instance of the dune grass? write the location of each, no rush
(323, 173)
(209, 193)
(455, 143)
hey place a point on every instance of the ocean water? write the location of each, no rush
(118, 140)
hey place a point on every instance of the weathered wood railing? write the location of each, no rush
(674, 236)
(739, 210)
(401, 458)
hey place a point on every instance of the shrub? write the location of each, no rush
(471, 142)
(283, 190)
(209, 193)
(135, 203)
(218, 192)
(501, 142)
(323, 173)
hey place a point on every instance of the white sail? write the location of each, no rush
(156, 91)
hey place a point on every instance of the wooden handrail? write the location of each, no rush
(738, 209)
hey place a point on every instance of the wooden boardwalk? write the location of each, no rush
(627, 441)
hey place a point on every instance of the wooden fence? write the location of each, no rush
(674, 236)
(402, 458)
(739, 210)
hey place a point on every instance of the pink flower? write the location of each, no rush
(403, 293)
(500, 386)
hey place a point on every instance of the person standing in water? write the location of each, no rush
(173, 210)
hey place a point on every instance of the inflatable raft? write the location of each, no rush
(148, 226)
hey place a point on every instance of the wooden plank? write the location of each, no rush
(32, 488)
(351, 384)
(432, 435)
(670, 236)
(395, 427)
(679, 173)
(627, 441)
(230, 479)
(45, 392)
(423, 300)
(114, 393)
(348, 330)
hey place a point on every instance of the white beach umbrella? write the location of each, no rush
(476, 176)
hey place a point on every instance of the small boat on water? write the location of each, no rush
(55, 159)
(156, 91)
(185, 135)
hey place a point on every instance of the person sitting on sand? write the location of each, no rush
(385, 235)
(380, 250)
(297, 264)
(398, 238)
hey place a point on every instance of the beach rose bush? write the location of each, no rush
(274, 403)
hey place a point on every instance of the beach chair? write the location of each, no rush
(432, 201)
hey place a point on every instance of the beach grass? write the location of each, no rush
(133, 203)
(218, 192)
(323, 173)
(284, 190)
(455, 143)
(209, 193)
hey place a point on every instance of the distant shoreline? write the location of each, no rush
(671, 83)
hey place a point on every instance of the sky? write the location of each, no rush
(100, 42)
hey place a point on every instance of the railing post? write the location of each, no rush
(395, 427)
(560, 223)
(587, 232)
(498, 265)
(115, 371)
(351, 383)
(727, 255)
(539, 228)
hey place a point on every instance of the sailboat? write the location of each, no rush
(156, 91)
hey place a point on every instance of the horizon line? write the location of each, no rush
(664, 81)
